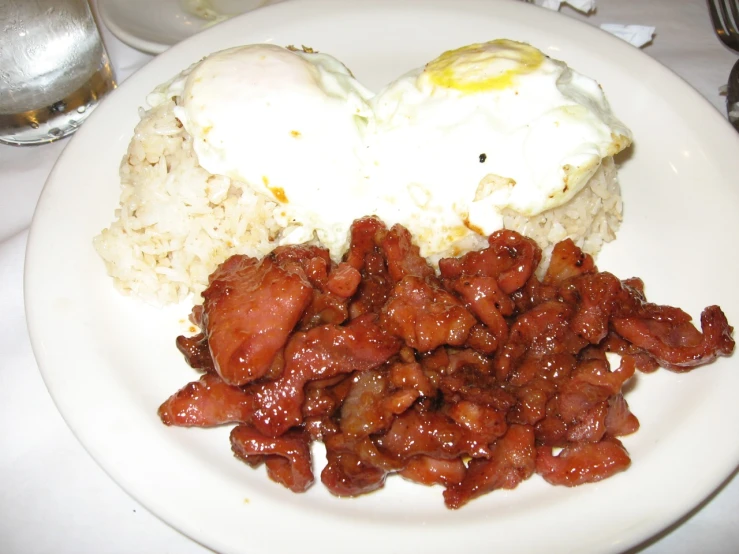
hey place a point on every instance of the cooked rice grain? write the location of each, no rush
(590, 219)
(176, 222)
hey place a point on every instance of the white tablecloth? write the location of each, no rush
(55, 499)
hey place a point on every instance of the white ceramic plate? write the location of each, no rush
(109, 360)
(152, 26)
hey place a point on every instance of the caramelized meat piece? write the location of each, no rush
(312, 262)
(643, 361)
(434, 434)
(250, 309)
(364, 411)
(513, 459)
(196, 352)
(373, 290)
(680, 347)
(410, 376)
(542, 331)
(419, 310)
(482, 339)
(598, 373)
(325, 396)
(355, 465)
(366, 256)
(523, 255)
(465, 358)
(430, 471)
(477, 387)
(320, 353)
(332, 285)
(402, 256)
(619, 419)
(343, 281)
(467, 379)
(531, 402)
(483, 297)
(510, 258)
(582, 462)
(366, 234)
(346, 475)
(567, 261)
(597, 296)
(584, 403)
(590, 426)
(287, 458)
(426, 316)
(206, 403)
(479, 418)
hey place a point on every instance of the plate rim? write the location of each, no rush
(33, 238)
(144, 45)
(148, 46)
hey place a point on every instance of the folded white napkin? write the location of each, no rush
(584, 6)
(638, 35)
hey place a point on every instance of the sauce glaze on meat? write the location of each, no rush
(468, 378)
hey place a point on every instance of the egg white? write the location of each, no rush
(290, 124)
(482, 129)
(444, 150)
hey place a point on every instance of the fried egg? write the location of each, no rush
(482, 129)
(289, 123)
(445, 150)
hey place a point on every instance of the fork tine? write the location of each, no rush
(732, 26)
(725, 19)
(722, 6)
(718, 24)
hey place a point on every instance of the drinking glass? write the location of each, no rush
(54, 69)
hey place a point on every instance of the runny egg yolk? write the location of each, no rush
(484, 67)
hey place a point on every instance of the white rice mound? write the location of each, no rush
(590, 218)
(176, 222)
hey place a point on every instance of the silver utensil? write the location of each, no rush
(725, 19)
(732, 96)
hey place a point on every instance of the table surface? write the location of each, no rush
(54, 498)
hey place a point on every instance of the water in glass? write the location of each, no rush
(53, 69)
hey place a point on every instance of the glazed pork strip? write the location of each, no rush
(473, 378)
